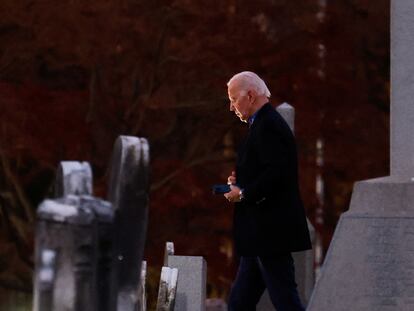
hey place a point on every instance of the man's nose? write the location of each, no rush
(231, 107)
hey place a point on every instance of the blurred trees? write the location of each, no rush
(74, 75)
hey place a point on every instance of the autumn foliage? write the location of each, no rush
(76, 74)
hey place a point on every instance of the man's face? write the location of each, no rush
(239, 102)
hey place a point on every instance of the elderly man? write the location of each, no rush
(269, 219)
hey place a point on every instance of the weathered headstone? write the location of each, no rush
(46, 279)
(167, 290)
(304, 268)
(169, 251)
(73, 177)
(304, 261)
(369, 264)
(192, 278)
(104, 217)
(288, 113)
(128, 191)
(64, 257)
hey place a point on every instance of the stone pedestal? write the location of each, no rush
(370, 263)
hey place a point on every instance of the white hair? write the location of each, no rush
(250, 81)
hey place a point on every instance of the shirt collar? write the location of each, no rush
(251, 118)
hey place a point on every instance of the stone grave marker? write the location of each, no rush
(169, 251)
(167, 290)
(64, 257)
(105, 285)
(191, 286)
(73, 177)
(369, 264)
(128, 191)
(45, 278)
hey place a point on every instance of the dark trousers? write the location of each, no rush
(255, 274)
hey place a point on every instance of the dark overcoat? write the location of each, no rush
(270, 219)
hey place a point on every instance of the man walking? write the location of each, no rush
(269, 219)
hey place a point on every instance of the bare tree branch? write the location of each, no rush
(27, 208)
(217, 156)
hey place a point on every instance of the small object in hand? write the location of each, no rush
(221, 189)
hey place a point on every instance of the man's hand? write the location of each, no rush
(234, 195)
(231, 180)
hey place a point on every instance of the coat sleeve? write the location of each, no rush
(273, 154)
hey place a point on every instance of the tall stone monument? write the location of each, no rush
(128, 192)
(370, 262)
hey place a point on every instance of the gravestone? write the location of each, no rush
(191, 284)
(288, 113)
(304, 268)
(104, 218)
(169, 251)
(369, 264)
(45, 278)
(304, 261)
(128, 191)
(167, 290)
(73, 177)
(64, 257)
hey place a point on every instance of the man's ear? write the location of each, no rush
(250, 95)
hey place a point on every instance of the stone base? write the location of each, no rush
(370, 262)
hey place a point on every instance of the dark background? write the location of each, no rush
(76, 74)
